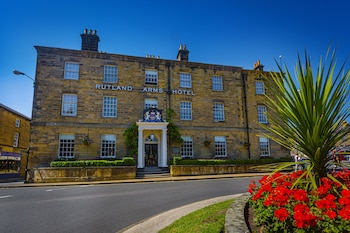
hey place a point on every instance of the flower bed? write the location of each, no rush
(283, 205)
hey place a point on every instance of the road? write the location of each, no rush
(102, 208)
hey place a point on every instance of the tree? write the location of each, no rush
(173, 130)
(308, 112)
(131, 140)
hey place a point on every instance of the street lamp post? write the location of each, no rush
(16, 72)
(26, 168)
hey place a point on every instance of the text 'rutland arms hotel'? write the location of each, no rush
(84, 100)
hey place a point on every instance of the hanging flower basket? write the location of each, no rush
(206, 143)
(87, 141)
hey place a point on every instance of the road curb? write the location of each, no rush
(160, 221)
(140, 180)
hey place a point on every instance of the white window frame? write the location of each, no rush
(66, 146)
(216, 82)
(185, 80)
(110, 74)
(109, 109)
(151, 77)
(259, 88)
(71, 70)
(264, 145)
(150, 103)
(69, 105)
(187, 147)
(108, 146)
(220, 146)
(262, 118)
(18, 123)
(219, 112)
(186, 110)
(15, 139)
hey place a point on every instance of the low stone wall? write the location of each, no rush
(76, 174)
(235, 219)
(192, 170)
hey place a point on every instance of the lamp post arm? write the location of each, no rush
(16, 72)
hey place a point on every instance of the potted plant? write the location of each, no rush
(307, 116)
(206, 143)
(86, 140)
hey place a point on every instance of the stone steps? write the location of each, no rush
(152, 172)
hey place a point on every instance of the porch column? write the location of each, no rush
(140, 155)
(164, 149)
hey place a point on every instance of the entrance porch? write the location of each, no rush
(152, 144)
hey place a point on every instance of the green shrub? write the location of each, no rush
(127, 161)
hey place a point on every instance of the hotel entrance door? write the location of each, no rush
(151, 154)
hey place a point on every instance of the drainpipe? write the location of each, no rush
(168, 93)
(244, 76)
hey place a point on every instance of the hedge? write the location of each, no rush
(126, 161)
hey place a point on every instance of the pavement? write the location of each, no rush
(155, 223)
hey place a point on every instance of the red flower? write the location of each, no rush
(345, 213)
(344, 201)
(327, 202)
(300, 195)
(345, 193)
(258, 195)
(282, 214)
(303, 217)
(331, 214)
(252, 187)
(326, 185)
(299, 207)
(279, 196)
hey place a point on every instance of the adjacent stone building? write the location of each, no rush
(14, 141)
(84, 100)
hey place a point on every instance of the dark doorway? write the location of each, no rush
(151, 154)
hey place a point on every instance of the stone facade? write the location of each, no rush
(238, 97)
(14, 140)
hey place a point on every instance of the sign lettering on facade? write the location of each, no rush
(145, 89)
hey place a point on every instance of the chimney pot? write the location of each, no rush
(90, 40)
(182, 54)
(258, 66)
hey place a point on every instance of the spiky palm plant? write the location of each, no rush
(308, 112)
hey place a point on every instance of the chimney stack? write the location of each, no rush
(182, 54)
(90, 40)
(258, 66)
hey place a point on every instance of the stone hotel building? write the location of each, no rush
(84, 100)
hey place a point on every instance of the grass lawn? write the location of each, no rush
(210, 219)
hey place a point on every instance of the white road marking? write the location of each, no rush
(50, 190)
(2, 197)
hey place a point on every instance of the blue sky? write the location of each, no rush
(225, 32)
